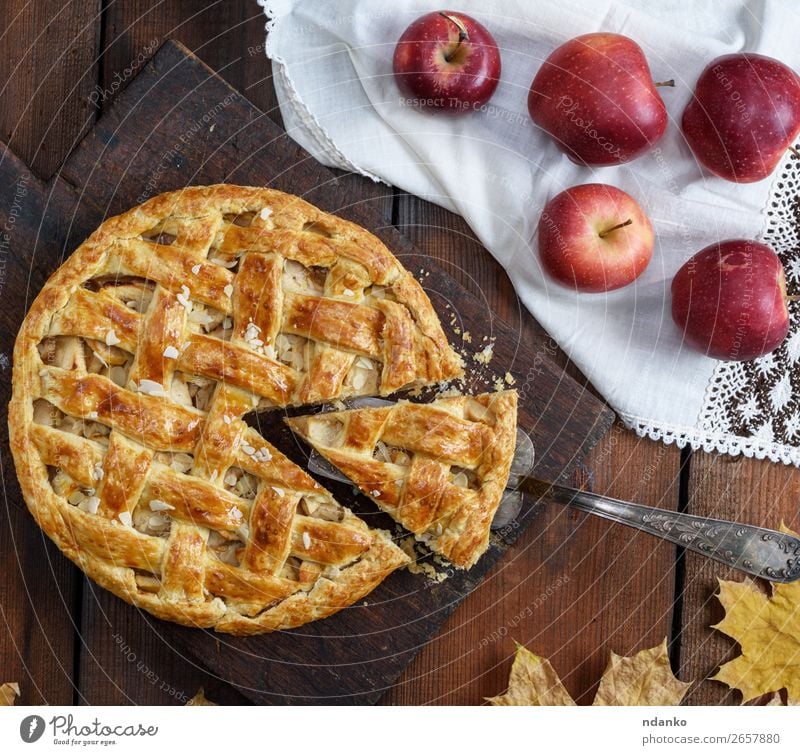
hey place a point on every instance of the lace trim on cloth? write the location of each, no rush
(710, 441)
(274, 11)
(753, 407)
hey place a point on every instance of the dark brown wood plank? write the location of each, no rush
(226, 138)
(228, 35)
(573, 588)
(40, 594)
(740, 489)
(48, 70)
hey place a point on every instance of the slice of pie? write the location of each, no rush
(133, 370)
(438, 469)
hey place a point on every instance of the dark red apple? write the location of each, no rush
(744, 115)
(447, 61)
(730, 300)
(594, 95)
(594, 237)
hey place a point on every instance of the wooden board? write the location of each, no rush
(177, 124)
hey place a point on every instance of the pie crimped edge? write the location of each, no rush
(76, 532)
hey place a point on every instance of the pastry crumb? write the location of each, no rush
(408, 546)
(466, 336)
(485, 355)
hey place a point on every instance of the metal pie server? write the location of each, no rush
(758, 551)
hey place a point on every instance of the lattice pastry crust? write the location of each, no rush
(133, 370)
(438, 469)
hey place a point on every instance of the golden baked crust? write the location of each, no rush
(133, 370)
(439, 469)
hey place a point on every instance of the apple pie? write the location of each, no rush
(133, 371)
(438, 469)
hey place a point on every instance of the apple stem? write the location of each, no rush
(670, 83)
(463, 35)
(605, 233)
(794, 151)
(793, 298)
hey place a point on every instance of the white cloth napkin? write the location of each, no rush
(333, 73)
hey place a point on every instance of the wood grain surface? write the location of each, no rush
(199, 130)
(66, 641)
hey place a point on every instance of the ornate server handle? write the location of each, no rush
(761, 552)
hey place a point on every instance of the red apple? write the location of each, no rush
(744, 115)
(594, 237)
(730, 300)
(447, 61)
(594, 95)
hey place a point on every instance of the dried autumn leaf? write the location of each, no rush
(532, 681)
(643, 679)
(200, 698)
(767, 627)
(9, 693)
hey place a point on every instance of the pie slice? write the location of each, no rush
(133, 370)
(438, 469)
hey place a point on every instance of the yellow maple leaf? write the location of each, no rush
(767, 628)
(532, 681)
(200, 698)
(642, 679)
(9, 693)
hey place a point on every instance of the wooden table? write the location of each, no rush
(66, 641)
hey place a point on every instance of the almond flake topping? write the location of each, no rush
(91, 504)
(228, 290)
(111, 338)
(195, 269)
(151, 388)
(265, 213)
(126, 518)
(158, 505)
(171, 352)
(306, 540)
(251, 332)
(263, 454)
(183, 298)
